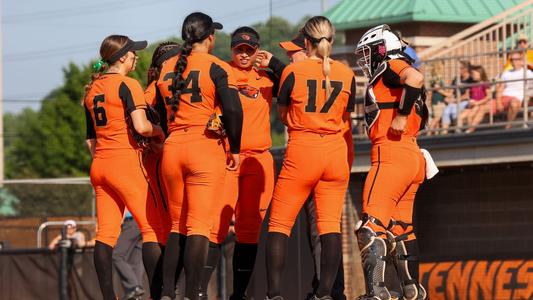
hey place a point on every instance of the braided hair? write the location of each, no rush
(195, 29)
(155, 67)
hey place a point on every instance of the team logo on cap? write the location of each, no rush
(245, 37)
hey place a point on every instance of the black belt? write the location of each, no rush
(128, 219)
(388, 105)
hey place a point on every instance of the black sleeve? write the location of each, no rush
(275, 80)
(231, 107)
(277, 66)
(351, 100)
(409, 97)
(125, 94)
(91, 132)
(284, 96)
(391, 79)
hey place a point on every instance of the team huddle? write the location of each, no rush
(191, 153)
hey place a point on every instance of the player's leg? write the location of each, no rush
(109, 209)
(387, 180)
(256, 186)
(403, 238)
(300, 172)
(172, 176)
(130, 183)
(204, 184)
(223, 216)
(329, 194)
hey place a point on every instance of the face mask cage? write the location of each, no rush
(370, 56)
(363, 56)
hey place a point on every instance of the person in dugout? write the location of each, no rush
(394, 113)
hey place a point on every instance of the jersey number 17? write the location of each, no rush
(312, 91)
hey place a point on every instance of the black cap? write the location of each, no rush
(207, 23)
(295, 44)
(244, 38)
(130, 45)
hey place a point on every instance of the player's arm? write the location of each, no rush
(412, 81)
(133, 97)
(232, 115)
(90, 140)
(347, 119)
(284, 96)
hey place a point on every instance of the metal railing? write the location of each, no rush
(47, 224)
(491, 34)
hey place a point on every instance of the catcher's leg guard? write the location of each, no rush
(405, 255)
(373, 254)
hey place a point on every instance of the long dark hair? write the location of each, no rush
(110, 45)
(196, 28)
(155, 67)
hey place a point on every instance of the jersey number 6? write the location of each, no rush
(312, 91)
(99, 111)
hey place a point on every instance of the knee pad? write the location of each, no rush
(373, 249)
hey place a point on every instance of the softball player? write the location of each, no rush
(247, 190)
(394, 113)
(117, 173)
(194, 162)
(316, 94)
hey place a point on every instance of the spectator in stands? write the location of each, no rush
(436, 96)
(77, 237)
(510, 93)
(480, 96)
(522, 45)
(450, 112)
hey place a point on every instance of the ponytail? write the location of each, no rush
(178, 83)
(99, 68)
(320, 33)
(324, 50)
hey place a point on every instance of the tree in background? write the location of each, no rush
(50, 142)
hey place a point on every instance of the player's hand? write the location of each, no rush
(398, 124)
(233, 161)
(263, 58)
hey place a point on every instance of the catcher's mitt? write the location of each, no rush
(143, 141)
(215, 124)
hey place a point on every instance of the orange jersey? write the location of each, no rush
(255, 92)
(388, 89)
(199, 98)
(112, 96)
(150, 94)
(303, 91)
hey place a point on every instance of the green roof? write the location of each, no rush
(349, 14)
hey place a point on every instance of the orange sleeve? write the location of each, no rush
(398, 66)
(150, 94)
(132, 94)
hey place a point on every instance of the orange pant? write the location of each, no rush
(313, 163)
(193, 168)
(152, 164)
(247, 193)
(398, 169)
(118, 178)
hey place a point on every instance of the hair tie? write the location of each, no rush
(98, 65)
